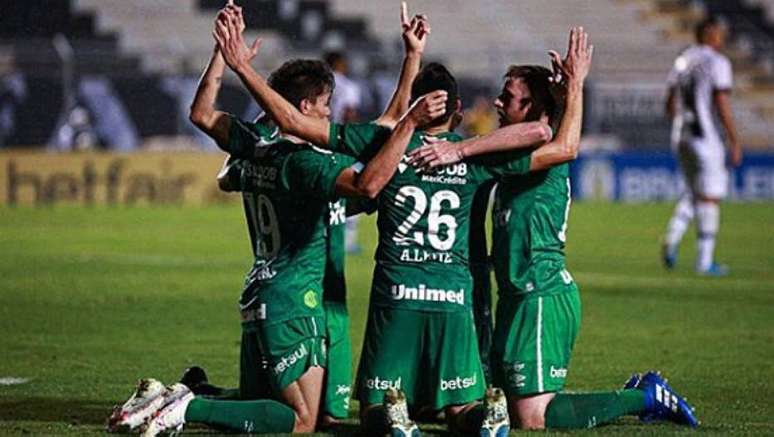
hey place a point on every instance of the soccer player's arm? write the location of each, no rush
(381, 167)
(575, 67)
(203, 113)
(287, 117)
(515, 136)
(414, 33)
(670, 104)
(722, 82)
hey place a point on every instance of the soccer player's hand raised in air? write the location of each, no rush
(573, 69)
(231, 12)
(428, 107)
(228, 33)
(414, 31)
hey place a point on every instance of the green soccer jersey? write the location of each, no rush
(423, 219)
(288, 189)
(529, 232)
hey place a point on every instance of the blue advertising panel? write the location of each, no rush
(645, 177)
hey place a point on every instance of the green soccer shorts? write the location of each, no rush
(338, 378)
(280, 352)
(533, 340)
(431, 356)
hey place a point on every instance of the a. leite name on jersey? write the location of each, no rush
(262, 176)
(450, 175)
(421, 292)
(420, 256)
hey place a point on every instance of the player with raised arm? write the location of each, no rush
(538, 312)
(700, 84)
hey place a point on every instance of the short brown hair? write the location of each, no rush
(536, 78)
(301, 79)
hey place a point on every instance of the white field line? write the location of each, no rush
(10, 380)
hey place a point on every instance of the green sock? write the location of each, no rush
(260, 416)
(587, 410)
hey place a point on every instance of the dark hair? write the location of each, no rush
(705, 24)
(433, 77)
(301, 79)
(331, 58)
(536, 78)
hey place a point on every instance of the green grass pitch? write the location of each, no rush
(93, 299)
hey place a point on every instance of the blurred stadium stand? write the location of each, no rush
(151, 53)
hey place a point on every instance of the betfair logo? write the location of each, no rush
(287, 361)
(382, 384)
(401, 292)
(458, 383)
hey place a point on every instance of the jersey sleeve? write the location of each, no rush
(314, 172)
(360, 140)
(498, 165)
(722, 75)
(244, 137)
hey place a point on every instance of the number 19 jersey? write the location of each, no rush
(423, 221)
(287, 189)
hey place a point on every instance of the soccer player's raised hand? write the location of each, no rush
(428, 107)
(435, 153)
(573, 69)
(228, 34)
(414, 31)
(235, 15)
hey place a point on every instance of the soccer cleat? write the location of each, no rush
(171, 417)
(496, 421)
(663, 403)
(632, 382)
(715, 269)
(193, 376)
(147, 398)
(669, 255)
(397, 415)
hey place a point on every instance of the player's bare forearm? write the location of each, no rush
(203, 113)
(286, 116)
(515, 136)
(565, 145)
(414, 33)
(723, 104)
(382, 167)
(399, 102)
(670, 108)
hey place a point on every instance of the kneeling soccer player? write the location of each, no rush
(538, 313)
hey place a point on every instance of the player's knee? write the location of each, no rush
(528, 413)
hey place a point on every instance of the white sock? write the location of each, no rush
(681, 219)
(707, 224)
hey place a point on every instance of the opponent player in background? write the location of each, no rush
(700, 86)
(538, 311)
